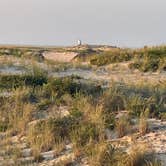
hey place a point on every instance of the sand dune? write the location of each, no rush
(60, 56)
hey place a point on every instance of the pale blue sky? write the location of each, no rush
(61, 22)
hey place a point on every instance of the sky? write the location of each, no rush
(125, 23)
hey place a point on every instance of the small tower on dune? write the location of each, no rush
(79, 42)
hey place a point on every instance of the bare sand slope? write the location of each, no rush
(60, 56)
(156, 138)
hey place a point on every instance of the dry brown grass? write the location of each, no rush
(41, 137)
(140, 155)
(143, 124)
(122, 126)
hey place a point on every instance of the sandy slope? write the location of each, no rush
(60, 56)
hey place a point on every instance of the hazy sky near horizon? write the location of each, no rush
(131, 23)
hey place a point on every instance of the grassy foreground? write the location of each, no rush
(50, 113)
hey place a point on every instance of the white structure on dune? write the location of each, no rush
(79, 42)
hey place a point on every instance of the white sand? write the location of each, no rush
(60, 56)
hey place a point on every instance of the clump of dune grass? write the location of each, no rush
(122, 126)
(16, 112)
(45, 135)
(139, 155)
(84, 134)
(59, 147)
(22, 110)
(113, 100)
(104, 154)
(41, 137)
(37, 154)
(143, 123)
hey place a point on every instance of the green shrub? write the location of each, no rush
(3, 126)
(146, 65)
(61, 127)
(61, 86)
(70, 85)
(150, 59)
(110, 57)
(15, 81)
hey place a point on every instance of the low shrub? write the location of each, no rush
(111, 57)
(15, 81)
(150, 59)
(70, 85)
(146, 65)
(60, 86)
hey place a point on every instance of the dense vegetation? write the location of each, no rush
(146, 59)
(14, 81)
(108, 57)
(90, 114)
(150, 59)
(22, 52)
(35, 109)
